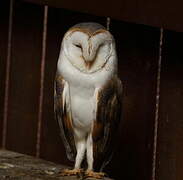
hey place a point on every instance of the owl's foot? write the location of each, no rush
(96, 175)
(71, 172)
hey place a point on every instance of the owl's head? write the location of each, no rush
(88, 46)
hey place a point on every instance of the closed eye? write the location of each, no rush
(78, 46)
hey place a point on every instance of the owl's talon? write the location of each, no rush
(96, 175)
(71, 172)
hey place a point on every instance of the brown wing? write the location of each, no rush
(63, 116)
(107, 122)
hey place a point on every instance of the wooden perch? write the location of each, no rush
(23, 167)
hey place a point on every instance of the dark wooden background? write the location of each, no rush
(30, 38)
(159, 13)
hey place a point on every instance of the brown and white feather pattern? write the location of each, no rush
(64, 118)
(107, 121)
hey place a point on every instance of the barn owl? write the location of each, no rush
(88, 97)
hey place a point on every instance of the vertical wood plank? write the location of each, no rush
(59, 21)
(138, 51)
(24, 78)
(4, 17)
(170, 131)
(157, 104)
(41, 95)
(7, 75)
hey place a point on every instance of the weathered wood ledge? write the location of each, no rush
(16, 166)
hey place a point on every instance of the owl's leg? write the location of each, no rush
(81, 147)
(80, 143)
(90, 173)
(89, 151)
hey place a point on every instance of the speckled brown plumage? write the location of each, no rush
(107, 121)
(64, 119)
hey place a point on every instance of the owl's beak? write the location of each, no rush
(88, 60)
(88, 64)
(89, 57)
